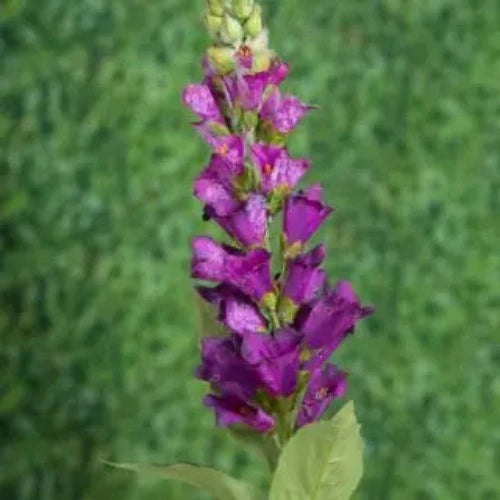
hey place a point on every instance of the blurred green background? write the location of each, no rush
(98, 320)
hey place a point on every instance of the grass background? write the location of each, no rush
(98, 321)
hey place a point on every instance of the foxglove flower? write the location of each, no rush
(277, 169)
(248, 91)
(283, 111)
(330, 320)
(326, 383)
(201, 101)
(232, 410)
(304, 213)
(305, 278)
(249, 272)
(275, 358)
(215, 186)
(248, 225)
(238, 313)
(224, 368)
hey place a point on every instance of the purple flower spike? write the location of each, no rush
(331, 319)
(277, 169)
(232, 410)
(326, 384)
(305, 278)
(251, 273)
(284, 111)
(201, 101)
(214, 186)
(248, 225)
(304, 213)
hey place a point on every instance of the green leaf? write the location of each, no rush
(323, 461)
(210, 326)
(219, 484)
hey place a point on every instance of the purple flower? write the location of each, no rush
(249, 272)
(305, 278)
(275, 359)
(228, 148)
(330, 320)
(303, 214)
(215, 185)
(283, 111)
(232, 410)
(248, 225)
(277, 169)
(249, 90)
(236, 310)
(223, 367)
(326, 383)
(201, 101)
(209, 259)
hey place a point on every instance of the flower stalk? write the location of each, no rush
(271, 372)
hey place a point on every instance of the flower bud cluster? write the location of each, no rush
(283, 319)
(232, 22)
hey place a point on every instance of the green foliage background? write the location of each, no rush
(98, 320)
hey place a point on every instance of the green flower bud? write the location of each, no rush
(250, 120)
(213, 24)
(253, 26)
(269, 301)
(287, 309)
(242, 9)
(216, 7)
(221, 59)
(231, 31)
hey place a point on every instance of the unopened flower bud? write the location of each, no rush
(221, 59)
(253, 26)
(242, 9)
(213, 24)
(231, 31)
(216, 7)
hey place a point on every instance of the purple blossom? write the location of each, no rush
(223, 367)
(249, 272)
(248, 225)
(326, 383)
(215, 185)
(236, 310)
(305, 278)
(283, 111)
(232, 410)
(330, 320)
(275, 358)
(209, 259)
(201, 101)
(277, 169)
(249, 90)
(228, 148)
(304, 213)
